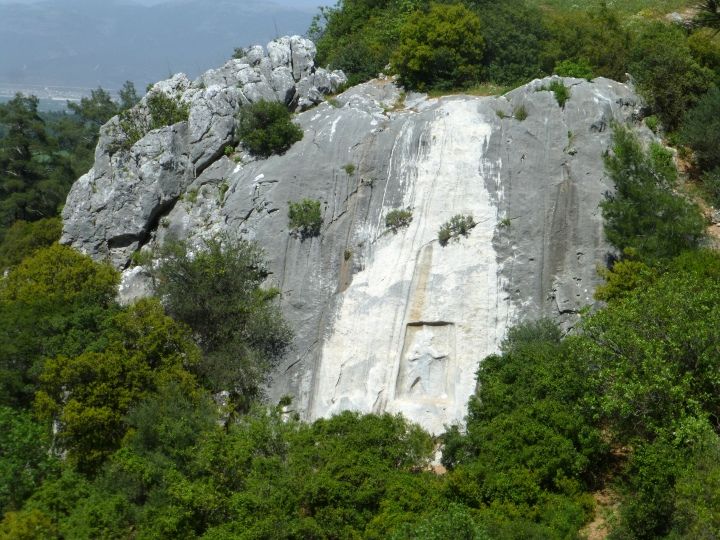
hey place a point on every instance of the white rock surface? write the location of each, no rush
(413, 313)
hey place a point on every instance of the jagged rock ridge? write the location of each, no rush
(388, 321)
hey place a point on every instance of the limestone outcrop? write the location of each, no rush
(129, 188)
(384, 320)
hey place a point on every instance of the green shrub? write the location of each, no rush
(459, 225)
(305, 217)
(265, 128)
(398, 218)
(349, 168)
(441, 48)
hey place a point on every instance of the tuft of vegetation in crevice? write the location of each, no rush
(305, 218)
(160, 110)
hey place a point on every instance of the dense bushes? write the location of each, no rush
(644, 213)
(442, 48)
(265, 128)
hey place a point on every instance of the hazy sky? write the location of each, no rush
(288, 3)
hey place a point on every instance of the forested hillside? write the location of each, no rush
(150, 420)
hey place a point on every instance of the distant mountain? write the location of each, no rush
(87, 43)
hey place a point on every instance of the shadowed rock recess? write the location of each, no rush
(384, 320)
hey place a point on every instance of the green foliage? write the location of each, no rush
(668, 77)
(562, 92)
(266, 128)
(653, 123)
(513, 34)
(459, 225)
(25, 458)
(586, 43)
(217, 292)
(625, 277)
(644, 213)
(701, 130)
(398, 218)
(711, 186)
(29, 525)
(24, 238)
(520, 113)
(531, 446)
(54, 302)
(574, 68)
(35, 174)
(655, 352)
(708, 15)
(89, 395)
(349, 168)
(305, 217)
(440, 48)
(359, 36)
(160, 110)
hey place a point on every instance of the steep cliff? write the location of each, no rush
(383, 320)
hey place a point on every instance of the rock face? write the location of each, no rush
(126, 190)
(384, 321)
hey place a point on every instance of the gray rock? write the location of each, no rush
(393, 321)
(112, 210)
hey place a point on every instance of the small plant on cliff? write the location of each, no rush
(398, 218)
(305, 218)
(266, 128)
(459, 225)
(520, 113)
(162, 110)
(349, 168)
(562, 92)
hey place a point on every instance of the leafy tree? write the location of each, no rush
(440, 48)
(266, 128)
(626, 276)
(644, 213)
(667, 75)
(359, 36)
(34, 176)
(90, 394)
(217, 291)
(654, 354)
(513, 34)
(96, 109)
(54, 302)
(128, 96)
(531, 446)
(594, 39)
